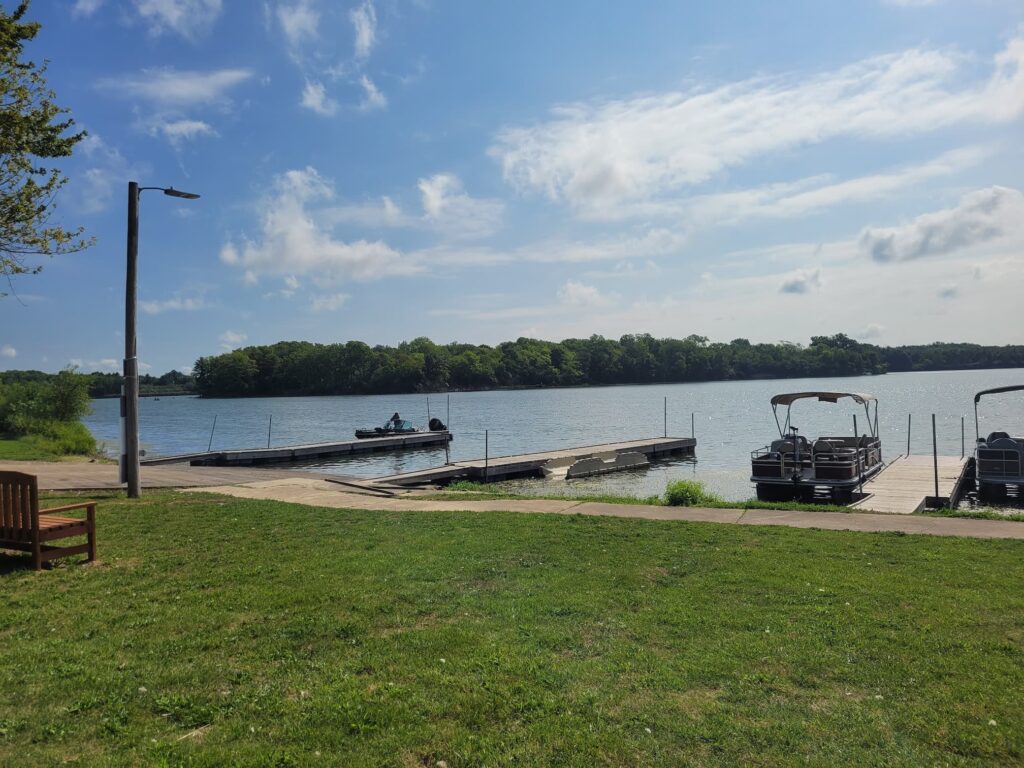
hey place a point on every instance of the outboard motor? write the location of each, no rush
(436, 425)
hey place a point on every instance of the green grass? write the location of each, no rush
(25, 449)
(220, 631)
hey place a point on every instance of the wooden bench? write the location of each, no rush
(25, 527)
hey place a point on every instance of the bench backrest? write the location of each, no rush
(19, 505)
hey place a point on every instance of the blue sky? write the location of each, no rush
(386, 169)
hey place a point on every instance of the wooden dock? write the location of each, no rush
(293, 453)
(907, 485)
(529, 464)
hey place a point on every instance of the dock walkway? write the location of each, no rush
(290, 453)
(502, 467)
(908, 483)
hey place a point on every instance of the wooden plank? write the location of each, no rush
(905, 485)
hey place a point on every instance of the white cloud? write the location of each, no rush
(85, 7)
(981, 216)
(328, 303)
(802, 281)
(8, 351)
(364, 22)
(599, 155)
(788, 200)
(372, 97)
(299, 22)
(292, 241)
(173, 88)
(314, 97)
(92, 190)
(188, 18)
(173, 304)
(948, 291)
(386, 213)
(871, 331)
(447, 207)
(179, 131)
(232, 339)
(106, 364)
(577, 294)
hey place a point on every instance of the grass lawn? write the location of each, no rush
(24, 449)
(221, 631)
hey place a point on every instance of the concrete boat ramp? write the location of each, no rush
(493, 468)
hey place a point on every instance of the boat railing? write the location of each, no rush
(839, 458)
(1000, 462)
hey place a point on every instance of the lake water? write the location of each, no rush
(730, 418)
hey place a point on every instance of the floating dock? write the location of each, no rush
(529, 464)
(907, 485)
(292, 453)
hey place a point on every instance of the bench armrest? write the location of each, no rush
(90, 505)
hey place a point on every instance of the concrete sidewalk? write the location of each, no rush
(320, 493)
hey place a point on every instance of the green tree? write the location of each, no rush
(33, 130)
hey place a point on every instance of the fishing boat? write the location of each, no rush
(793, 467)
(998, 458)
(396, 425)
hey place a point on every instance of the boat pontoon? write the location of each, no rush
(794, 467)
(999, 458)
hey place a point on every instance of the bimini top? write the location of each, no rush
(998, 390)
(825, 397)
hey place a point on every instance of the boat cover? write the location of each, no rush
(825, 397)
(998, 390)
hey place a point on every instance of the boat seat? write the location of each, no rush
(1004, 443)
(993, 436)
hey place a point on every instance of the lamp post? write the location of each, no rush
(130, 473)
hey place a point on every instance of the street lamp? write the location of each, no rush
(130, 473)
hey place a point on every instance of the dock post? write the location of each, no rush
(666, 417)
(908, 434)
(855, 425)
(963, 444)
(270, 426)
(693, 432)
(428, 410)
(935, 459)
(448, 415)
(487, 453)
(209, 447)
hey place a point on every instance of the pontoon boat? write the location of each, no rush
(999, 458)
(794, 467)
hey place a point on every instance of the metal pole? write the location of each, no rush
(666, 417)
(963, 439)
(908, 434)
(210, 446)
(855, 425)
(428, 410)
(693, 432)
(130, 449)
(270, 426)
(487, 454)
(935, 459)
(448, 415)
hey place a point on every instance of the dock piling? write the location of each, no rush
(935, 456)
(666, 417)
(270, 426)
(487, 453)
(908, 434)
(963, 440)
(693, 431)
(209, 447)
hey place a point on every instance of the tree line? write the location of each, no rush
(100, 384)
(305, 368)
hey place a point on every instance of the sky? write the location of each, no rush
(387, 169)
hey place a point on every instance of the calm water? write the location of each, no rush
(731, 419)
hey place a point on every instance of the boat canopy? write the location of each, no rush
(827, 397)
(997, 390)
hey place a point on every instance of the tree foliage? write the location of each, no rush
(304, 368)
(33, 130)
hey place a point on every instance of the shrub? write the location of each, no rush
(688, 493)
(64, 438)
